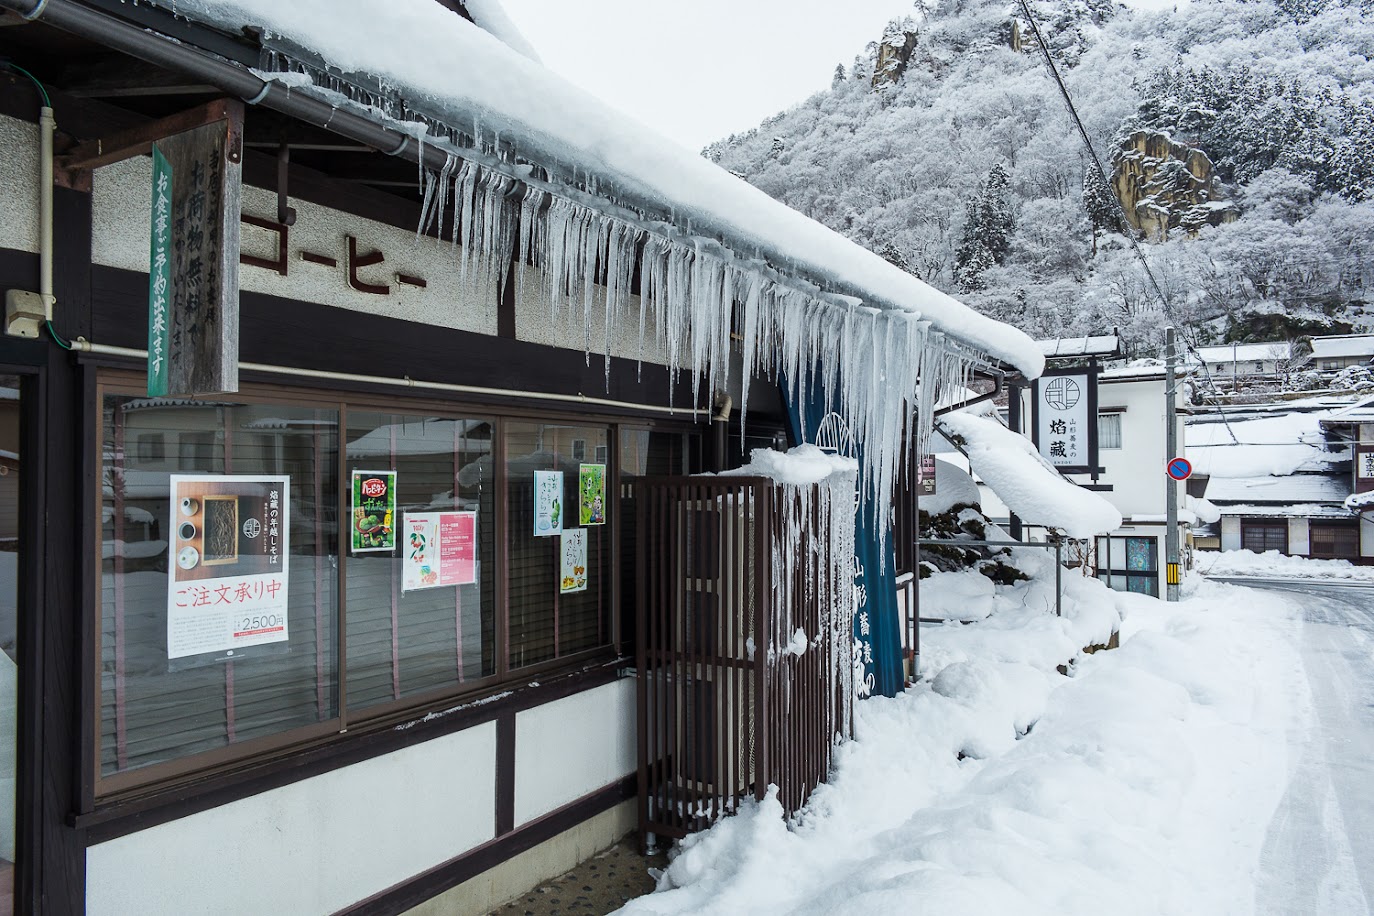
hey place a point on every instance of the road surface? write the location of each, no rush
(1319, 850)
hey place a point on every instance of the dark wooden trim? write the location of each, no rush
(125, 816)
(417, 890)
(505, 774)
(286, 332)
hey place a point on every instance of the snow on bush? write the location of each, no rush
(1009, 464)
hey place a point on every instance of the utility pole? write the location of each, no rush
(1171, 485)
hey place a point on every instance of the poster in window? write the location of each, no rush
(591, 494)
(925, 475)
(548, 503)
(573, 571)
(440, 548)
(1140, 554)
(227, 584)
(374, 511)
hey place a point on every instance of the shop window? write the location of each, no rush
(1261, 536)
(559, 585)
(408, 631)
(1129, 564)
(197, 652)
(361, 546)
(1109, 430)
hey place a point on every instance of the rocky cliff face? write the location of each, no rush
(1165, 185)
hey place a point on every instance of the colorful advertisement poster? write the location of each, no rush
(573, 572)
(591, 494)
(227, 581)
(440, 548)
(548, 503)
(374, 511)
(926, 475)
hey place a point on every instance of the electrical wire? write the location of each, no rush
(1121, 211)
(47, 102)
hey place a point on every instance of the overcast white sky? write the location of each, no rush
(698, 70)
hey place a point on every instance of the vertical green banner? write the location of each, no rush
(160, 276)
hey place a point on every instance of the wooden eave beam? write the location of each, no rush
(138, 141)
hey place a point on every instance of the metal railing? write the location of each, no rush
(724, 708)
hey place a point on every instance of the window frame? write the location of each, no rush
(115, 788)
(1111, 415)
(1247, 525)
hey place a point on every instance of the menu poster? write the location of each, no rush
(573, 572)
(439, 548)
(374, 511)
(591, 494)
(548, 503)
(227, 581)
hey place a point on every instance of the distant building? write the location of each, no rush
(1300, 514)
(1340, 351)
(1233, 363)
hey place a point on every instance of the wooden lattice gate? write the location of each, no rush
(743, 646)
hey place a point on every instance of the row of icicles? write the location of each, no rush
(698, 304)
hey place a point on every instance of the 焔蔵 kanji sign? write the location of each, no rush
(1064, 424)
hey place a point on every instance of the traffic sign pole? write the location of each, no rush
(1171, 484)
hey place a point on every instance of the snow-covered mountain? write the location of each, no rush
(1240, 134)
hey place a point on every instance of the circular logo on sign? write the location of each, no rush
(1062, 393)
(252, 528)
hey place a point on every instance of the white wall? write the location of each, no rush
(1230, 532)
(121, 196)
(1299, 537)
(1136, 470)
(323, 843)
(1366, 535)
(310, 847)
(572, 747)
(19, 179)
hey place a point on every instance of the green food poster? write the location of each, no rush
(374, 511)
(591, 494)
(548, 503)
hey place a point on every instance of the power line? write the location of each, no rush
(1102, 175)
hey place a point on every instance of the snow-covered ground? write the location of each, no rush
(1142, 782)
(1271, 563)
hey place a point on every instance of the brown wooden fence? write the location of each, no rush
(743, 644)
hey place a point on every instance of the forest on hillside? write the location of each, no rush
(960, 163)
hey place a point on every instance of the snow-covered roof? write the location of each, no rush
(1098, 345)
(1359, 412)
(1343, 345)
(464, 78)
(1137, 373)
(1292, 489)
(1285, 510)
(1009, 464)
(1244, 352)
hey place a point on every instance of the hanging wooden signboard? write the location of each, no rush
(202, 308)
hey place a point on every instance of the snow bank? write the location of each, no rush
(1273, 563)
(1140, 785)
(1008, 463)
